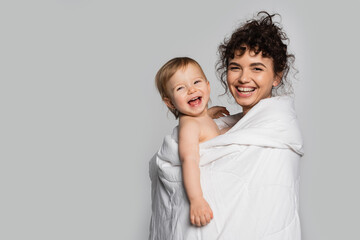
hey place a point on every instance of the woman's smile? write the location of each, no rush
(245, 91)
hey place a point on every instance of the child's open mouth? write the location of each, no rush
(195, 101)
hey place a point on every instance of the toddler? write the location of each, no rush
(185, 90)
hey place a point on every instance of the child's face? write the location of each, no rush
(188, 91)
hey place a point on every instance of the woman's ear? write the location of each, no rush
(277, 79)
(168, 103)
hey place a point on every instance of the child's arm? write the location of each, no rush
(189, 133)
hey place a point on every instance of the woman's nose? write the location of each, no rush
(244, 78)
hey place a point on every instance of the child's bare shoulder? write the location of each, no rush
(188, 122)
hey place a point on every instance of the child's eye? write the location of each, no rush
(179, 88)
(197, 81)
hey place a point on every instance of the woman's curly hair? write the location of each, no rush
(259, 35)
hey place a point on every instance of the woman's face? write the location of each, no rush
(250, 78)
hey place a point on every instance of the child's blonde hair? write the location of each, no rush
(167, 71)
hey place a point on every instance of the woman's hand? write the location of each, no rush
(200, 212)
(217, 111)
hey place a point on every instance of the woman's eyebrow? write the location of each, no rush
(257, 64)
(234, 63)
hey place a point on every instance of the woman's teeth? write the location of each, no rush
(240, 89)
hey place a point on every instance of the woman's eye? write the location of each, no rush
(234, 68)
(258, 69)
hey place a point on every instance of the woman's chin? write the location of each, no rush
(243, 102)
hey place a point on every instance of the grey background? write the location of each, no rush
(80, 116)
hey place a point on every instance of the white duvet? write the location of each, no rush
(249, 176)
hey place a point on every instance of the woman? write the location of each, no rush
(255, 59)
(249, 175)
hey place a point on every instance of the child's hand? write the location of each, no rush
(200, 212)
(217, 111)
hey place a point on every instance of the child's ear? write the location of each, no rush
(168, 103)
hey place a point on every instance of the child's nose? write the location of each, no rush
(191, 90)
